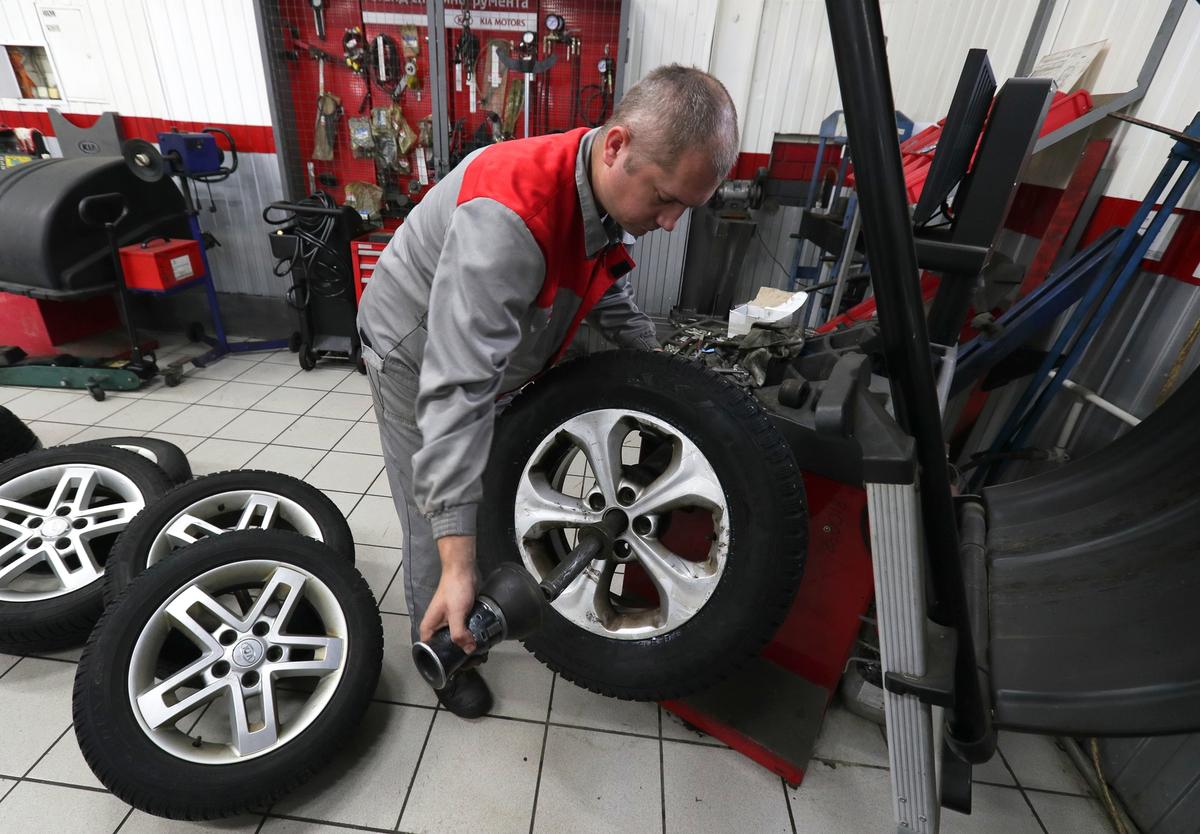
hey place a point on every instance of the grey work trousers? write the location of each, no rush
(394, 395)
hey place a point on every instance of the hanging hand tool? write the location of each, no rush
(466, 53)
(526, 62)
(329, 113)
(318, 7)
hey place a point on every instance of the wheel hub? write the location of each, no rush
(248, 653)
(56, 527)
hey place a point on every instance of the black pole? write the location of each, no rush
(856, 30)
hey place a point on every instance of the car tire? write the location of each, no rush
(217, 504)
(51, 581)
(16, 438)
(165, 752)
(720, 558)
(166, 456)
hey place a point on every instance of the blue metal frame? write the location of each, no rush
(1122, 264)
(1034, 313)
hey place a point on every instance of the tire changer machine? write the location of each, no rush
(1010, 609)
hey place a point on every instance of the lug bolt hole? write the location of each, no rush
(642, 525)
(79, 523)
(250, 679)
(33, 523)
(220, 669)
(227, 638)
(626, 496)
(622, 550)
(261, 628)
(275, 654)
(62, 544)
(34, 543)
(596, 501)
(63, 511)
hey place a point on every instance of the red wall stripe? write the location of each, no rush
(249, 138)
(1034, 205)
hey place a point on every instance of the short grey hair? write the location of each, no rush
(677, 108)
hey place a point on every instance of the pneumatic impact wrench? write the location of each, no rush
(511, 604)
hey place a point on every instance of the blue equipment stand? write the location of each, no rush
(195, 156)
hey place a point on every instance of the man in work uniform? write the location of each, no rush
(485, 285)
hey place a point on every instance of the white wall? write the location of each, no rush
(169, 59)
(776, 59)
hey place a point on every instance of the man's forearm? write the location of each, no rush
(457, 554)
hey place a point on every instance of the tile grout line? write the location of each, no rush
(33, 766)
(662, 774)
(56, 783)
(537, 785)
(416, 768)
(1020, 788)
(124, 820)
(20, 657)
(349, 826)
(787, 800)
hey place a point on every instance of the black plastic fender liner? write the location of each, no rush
(1094, 575)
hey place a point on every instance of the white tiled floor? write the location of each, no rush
(551, 758)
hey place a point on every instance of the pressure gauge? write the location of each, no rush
(555, 23)
(528, 38)
(604, 65)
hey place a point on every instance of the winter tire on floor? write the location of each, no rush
(287, 646)
(61, 511)
(215, 504)
(166, 456)
(16, 438)
(717, 526)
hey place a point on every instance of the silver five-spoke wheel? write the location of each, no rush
(641, 466)
(246, 656)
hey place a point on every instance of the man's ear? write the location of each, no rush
(615, 139)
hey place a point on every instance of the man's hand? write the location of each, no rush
(455, 594)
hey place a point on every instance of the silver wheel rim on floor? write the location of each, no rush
(549, 507)
(241, 509)
(50, 519)
(246, 650)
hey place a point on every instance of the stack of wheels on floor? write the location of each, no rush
(239, 649)
(714, 548)
(239, 646)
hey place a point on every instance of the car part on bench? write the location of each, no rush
(166, 456)
(287, 646)
(16, 438)
(717, 522)
(60, 512)
(215, 504)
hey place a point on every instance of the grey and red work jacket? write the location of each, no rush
(482, 288)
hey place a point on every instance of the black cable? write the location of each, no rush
(585, 99)
(771, 254)
(329, 276)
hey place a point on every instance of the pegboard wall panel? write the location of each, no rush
(357, 85)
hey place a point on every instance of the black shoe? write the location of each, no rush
(466, 695)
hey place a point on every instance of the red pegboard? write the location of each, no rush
(569, 94)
